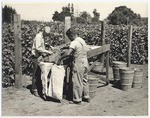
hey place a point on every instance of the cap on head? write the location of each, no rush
(71, 31)
(47, 29)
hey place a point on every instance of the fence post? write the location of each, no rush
(107, 67)
(18, 53)
(129, 45)
(67, 26)
(103, 41)
(103, 32)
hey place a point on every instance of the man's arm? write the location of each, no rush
(39, 47)
(68, 54)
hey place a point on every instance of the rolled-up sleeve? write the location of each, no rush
(73, 45)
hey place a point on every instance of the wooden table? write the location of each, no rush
(92, 52)
(97, 51)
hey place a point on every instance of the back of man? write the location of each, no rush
(80, 53)
(80, 66)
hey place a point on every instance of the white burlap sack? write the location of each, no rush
(45, 69)
(55, 89)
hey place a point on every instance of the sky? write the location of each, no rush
(44, 10)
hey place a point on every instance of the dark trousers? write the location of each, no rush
(36, 78)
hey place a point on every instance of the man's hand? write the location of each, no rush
(44, 54)
(40, 58)
(51, 47)
(50, 53)
(65, 47)
(54, 49)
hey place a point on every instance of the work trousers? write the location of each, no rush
(80, 83)
(45, 69)
(34, 76)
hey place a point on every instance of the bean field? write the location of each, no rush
(116, 36)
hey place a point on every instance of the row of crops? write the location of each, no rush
(115, 35)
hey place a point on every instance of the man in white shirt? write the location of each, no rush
(78, 49)
(38, 49)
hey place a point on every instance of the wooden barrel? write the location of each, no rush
(138, 77)
(92, 94)
(116, 73)
(116, 66)
(93, 83)
(98, 67)
(119, 64)
(126, 77)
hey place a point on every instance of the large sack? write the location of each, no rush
(45, 69)
(55, 89)
(53, 58)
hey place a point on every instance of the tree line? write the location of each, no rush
(120, 15)
(7, 14)
(84, 17)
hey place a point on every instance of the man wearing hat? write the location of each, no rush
(38, 50)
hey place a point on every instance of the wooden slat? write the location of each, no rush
(93, 64)
(18, 52)
(129, 45)
(107, 67)
(67, 26)
(98, 51)
(103, 32)
(103, 42)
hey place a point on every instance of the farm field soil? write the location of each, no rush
(109, 101)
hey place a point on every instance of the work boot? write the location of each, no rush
(86, 100)
(44, 97)
(35, 93)
(75, 102)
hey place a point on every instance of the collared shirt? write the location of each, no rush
(80, 50)
(38, 45)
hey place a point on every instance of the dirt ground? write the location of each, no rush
(109, 101)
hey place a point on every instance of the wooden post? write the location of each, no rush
(18, 53)
(129, 45)
(103, 32)
(103, 41)
(107, 67)
(11, 19)
(67, 26)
